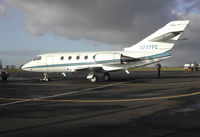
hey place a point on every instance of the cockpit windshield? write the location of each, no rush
(38, 58)
(35, 58)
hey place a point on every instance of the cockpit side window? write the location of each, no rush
(35, 58)
(38, 58)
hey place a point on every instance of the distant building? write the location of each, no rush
(13, 67)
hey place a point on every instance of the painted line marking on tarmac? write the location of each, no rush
(63, 94)
(48, 84)
(103, 100)
(178, 83)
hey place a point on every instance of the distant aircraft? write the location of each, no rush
(4, 75)
(154, 48)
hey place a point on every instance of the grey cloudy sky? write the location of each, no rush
(110, 21)
(114, 22)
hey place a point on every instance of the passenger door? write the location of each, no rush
(50, 63)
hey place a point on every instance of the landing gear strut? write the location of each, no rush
(45, 78)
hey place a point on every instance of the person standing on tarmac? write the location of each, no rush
(158, 67)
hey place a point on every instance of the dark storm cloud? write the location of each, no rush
(121, 22)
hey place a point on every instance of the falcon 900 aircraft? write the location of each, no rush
(154, 48)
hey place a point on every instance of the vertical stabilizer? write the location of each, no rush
(162, 40)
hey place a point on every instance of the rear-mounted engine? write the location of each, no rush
(113, 58)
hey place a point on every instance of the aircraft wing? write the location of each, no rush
(86, 68)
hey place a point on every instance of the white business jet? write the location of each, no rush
(154, 48)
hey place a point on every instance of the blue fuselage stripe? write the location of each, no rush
(75, 64)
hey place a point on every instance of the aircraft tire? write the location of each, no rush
(94, 79)
(47, 79)
(106, 77)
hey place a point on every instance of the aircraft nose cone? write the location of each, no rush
(24, 67)
(27, 66)
(21, 66)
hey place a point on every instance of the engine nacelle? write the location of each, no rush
(114, 58)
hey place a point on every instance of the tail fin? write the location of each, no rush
(162, 40)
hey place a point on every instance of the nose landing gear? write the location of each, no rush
(45, 78)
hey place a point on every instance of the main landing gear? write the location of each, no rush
(94, 78)
(45, 78)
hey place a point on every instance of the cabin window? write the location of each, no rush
(70, 57)
(94, 56)
(86, 57)
(61, 58)
(77, 57)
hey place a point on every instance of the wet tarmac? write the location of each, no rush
(139, 104)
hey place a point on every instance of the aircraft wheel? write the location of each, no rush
(94, 79)
(106, 77)
(47, 79)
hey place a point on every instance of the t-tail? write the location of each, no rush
(162, 40)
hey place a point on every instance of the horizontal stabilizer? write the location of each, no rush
(166, 37)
